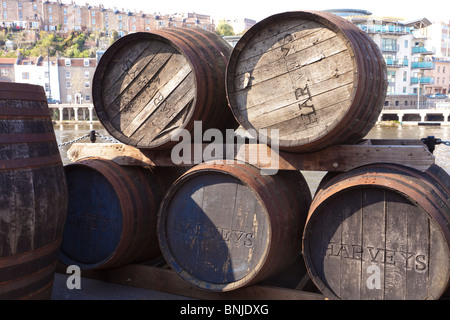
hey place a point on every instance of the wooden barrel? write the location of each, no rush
(148, 85)
(111, 220)
(313, 76)
(33, 194)
(223, 227)
(380, 232)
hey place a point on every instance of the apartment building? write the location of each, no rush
(441, 76)
(7, 69)
(76, 76)
(41, 71)
(441, 38)
(65, 17)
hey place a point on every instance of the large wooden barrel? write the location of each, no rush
(111, 220)
(223, 227)
(148, 85)
(313, 76)
(33, 194)
(380, 232)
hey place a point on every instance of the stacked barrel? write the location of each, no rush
(301, 81)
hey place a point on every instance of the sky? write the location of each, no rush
(258, 10)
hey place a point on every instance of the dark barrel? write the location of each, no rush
(313, 76)
(33, 194)
(111, 220)
(225, 226)
(149, 85)
(380, 232)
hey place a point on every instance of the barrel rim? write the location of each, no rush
(165, 247)
(102, 67)
(357, 182)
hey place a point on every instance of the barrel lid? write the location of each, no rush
(22, 91)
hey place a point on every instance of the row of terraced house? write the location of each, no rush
(65, 17)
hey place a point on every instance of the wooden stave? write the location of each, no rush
(204, 102)
(217, 50)
(343, 28)
(27, 270)
(281, 252)
(427, 190)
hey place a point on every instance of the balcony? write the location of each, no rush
(397, 63)
(422, 50)
(422, 65)
(385, 29)
(423, 80)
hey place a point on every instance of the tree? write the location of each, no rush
(224, 29)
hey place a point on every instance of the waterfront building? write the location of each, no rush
(441, 76)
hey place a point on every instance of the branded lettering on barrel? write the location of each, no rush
(407, 259)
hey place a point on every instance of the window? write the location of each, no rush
(4, 72)
(25, 75)
(86, 62)
(65, 20)
(437, 80)
(4, 5)
(120, 25)
(86, 74)
(65, 11)
(47, 87)
(67, 74)
(87, 84)
(5, 15)
(67, 62)
(68, 85)
(119, 17)
(405, 74)
(46, 74)
(93, 20)
(391, 76)
(406, 43)
(69, 98)
(49, 8)
(20, 15)
(93, 13)
(439, 69)
(133, 28)
(34, 7)
(88, 97)
(20, 5)
(50, 18)
(389, 44)
(106, 16)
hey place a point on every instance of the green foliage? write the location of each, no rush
(224, 29)
(72, 46)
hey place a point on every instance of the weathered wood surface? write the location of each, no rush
(412, 153)
(304, 74)
(222, 227)
(33, 194)
(166, 280)
(380, 232)
(149, 84)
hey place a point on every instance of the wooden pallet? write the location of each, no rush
(293, 284)
(412, 153)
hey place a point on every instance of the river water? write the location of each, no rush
(69, 132)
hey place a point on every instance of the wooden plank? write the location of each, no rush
(334, 158)
(166, 280)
